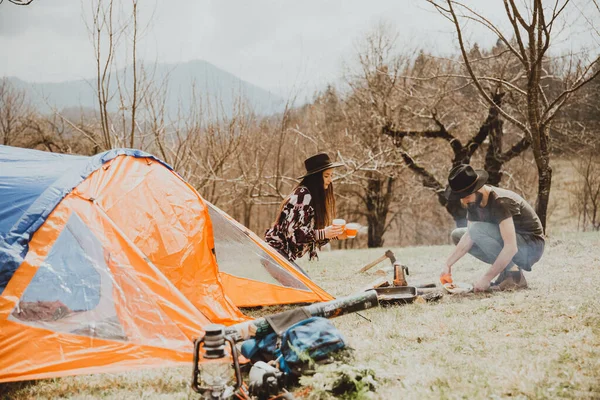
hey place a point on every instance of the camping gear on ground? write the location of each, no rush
(454, 287)
(400, 271)
(213, 378)
(399, 274)
(261, 327)
(432, 295)
(265, 381)
(424, 285)
(305, 328)
(388, 254)
(117, 251)
(398, 292)
(458, 287)
(377, 283)
(394, 295)
(313, 339)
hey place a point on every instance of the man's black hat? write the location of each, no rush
(464, 180)
(317, 163)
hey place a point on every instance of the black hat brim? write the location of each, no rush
(482, 177)
(320, 169)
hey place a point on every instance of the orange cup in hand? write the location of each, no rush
(339, 222)
(352, 229)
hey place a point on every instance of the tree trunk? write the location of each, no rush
(377, 199)
(494, 155)
(375, 236)
(544, 184)
(248, 206)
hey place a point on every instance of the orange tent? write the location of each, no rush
(107, 263)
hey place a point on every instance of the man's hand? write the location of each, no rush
(482, 285)
(446, 271)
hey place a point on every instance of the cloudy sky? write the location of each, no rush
(276, 44)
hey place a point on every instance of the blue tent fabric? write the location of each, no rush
(32, 184)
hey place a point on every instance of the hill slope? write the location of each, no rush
(195, 78)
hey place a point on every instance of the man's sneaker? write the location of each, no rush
(513, 280)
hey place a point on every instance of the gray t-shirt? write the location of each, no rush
(504, 204)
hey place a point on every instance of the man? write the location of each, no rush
(502, 230)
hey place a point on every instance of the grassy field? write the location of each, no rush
(539, 343)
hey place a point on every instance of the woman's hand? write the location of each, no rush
(332, 231)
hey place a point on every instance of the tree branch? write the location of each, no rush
(483, 93)
(516, 149)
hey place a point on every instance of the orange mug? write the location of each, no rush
(352, 229)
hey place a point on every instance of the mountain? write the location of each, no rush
(200, 79)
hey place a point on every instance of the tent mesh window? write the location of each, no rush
(72, 289)
(238, 255)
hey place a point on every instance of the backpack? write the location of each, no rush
(315, 338)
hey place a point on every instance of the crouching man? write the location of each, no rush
(502, 230)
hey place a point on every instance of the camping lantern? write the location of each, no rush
(213, 377)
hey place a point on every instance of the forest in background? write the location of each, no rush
(399, 122)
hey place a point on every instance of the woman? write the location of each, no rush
(304, 220)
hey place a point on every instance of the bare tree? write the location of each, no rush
(114, 31)
(432, 98)
(586, 192)
(104, 36)
(490, 131)
(52, 133)
(372, 159)
(14, 111)
(215, 141)
(533, 28)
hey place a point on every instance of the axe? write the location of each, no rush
(388, 254)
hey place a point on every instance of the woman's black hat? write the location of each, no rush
(464, 180)
(317, 163)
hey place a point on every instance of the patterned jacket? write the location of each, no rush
(294, 234)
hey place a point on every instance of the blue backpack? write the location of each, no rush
(314, 338)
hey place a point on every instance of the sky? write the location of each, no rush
(279, 45)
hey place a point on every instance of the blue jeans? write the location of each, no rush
(488, 243)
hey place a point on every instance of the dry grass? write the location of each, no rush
(539, 343)
(543, 342)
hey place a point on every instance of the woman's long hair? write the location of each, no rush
(322, 201)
